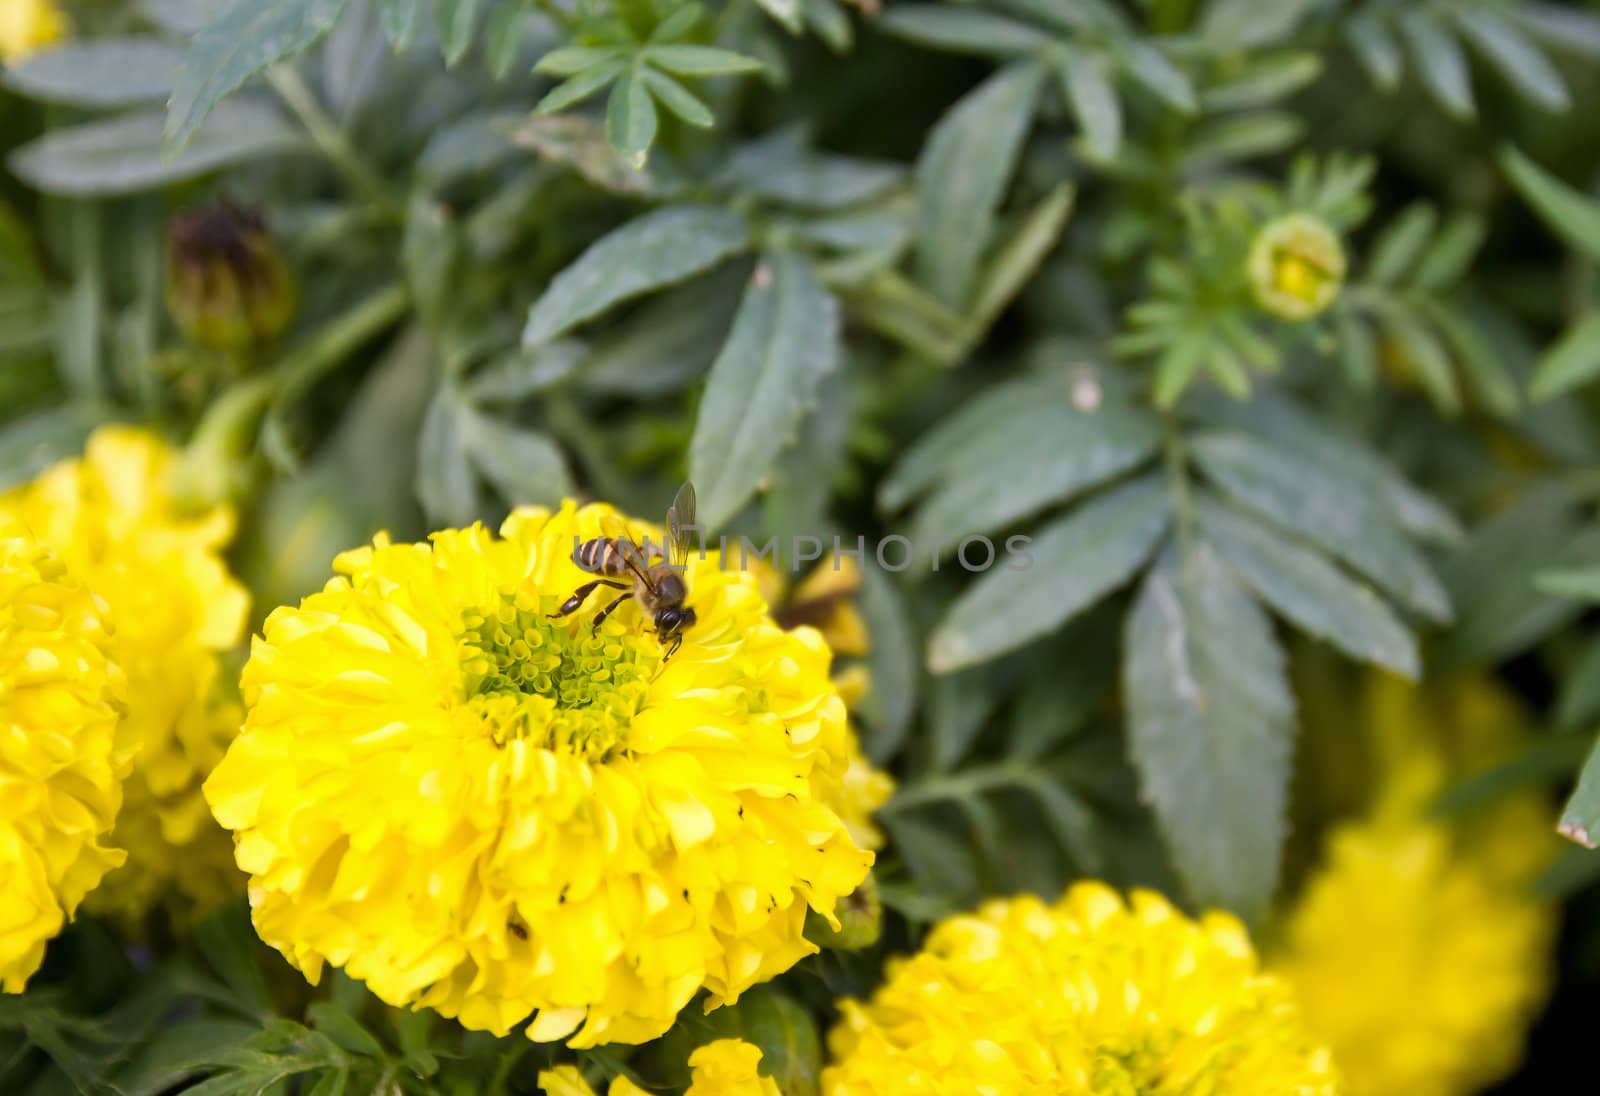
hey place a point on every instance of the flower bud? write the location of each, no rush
(1297, 267)
(227, 286)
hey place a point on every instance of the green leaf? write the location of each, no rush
(30, 445)
(98, 73)
(1310, 592)
(503, 36)
(667, 342)
(235, 47)
(1424, 353)
(1069, 566)
(1579, 701)
(1241, 137)
(572, 60)
(524, 466)
(1045, 455)
(1518, 59)
(782, 168)
(959, 705)
(580, 87)
(399, 19)
(785, 338)
(781, 1028)
(963, 30)
(894, 666)
(1241, 24)
(1561, 28)
(1320, 503)
(1019, 258)
(1159, 76)
(1086, 82)
(1451, 253)
(1568, 211)
(1210, 726)
(519, 373)
(457, 19)
(962, 176)
(700, 61)
(1376, 50)
(631, 117)
(786, 12)
(678, 99)
(445, 485)
(122, 155)
(429, 250)
(1581, 584)
(1440, 60)
(1580, 819)
(648, 253)
(1401, 244)
(1264, 82)
(1573, 361)
(1488, 378)
(229, 944)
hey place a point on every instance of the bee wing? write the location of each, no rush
(633, 554)
(680, 523)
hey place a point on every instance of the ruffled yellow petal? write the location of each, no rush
(61, 761)
(473, 806)
(1091, 994)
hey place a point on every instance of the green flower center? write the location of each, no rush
(555, 683)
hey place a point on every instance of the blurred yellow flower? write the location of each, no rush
(727, 1067)
(474, 807)
(173, 607)
(1090, 994)
(61, 761)
(1415, 947)
(1296, 267)
(26, 26)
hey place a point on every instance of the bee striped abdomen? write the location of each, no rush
(600, 556)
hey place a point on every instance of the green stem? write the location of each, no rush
(336, 341)
(962, 785)
(331, 141)
(1176, 456)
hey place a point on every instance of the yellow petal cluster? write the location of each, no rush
(1416, 946)
(174, 608)
(27, 26)
(61, 763)
(1296, 267)
(727, 1067)
(1091, 994)
(472, 806)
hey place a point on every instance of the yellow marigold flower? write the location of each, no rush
(173, 606)
(472, 806)
(27, 26)
(727, 1067)
(1090, 994)
(1296, 266)
(60, 759)
(1419, 965)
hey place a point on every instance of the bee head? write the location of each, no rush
(670, 622)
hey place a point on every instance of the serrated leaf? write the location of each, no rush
(457, 20)
(445, 484)
(648, 253)
(1518, 59)
(1046, 455)
(678, 99)
(1150, 67)
(98, 73)
(631, 117)
(700, 61)
(1086, 83)
(1376, 50)
(1310, 592)
(962, 176)
(1210, 725)
(1440, 60)
(525, 467)
(785, 338)
(1069, 566)
(399, 19)
(963, 30)
(1325, 506)
(122, 155)
(235, 47)
(1568, 211)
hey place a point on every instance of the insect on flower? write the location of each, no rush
(659, 588)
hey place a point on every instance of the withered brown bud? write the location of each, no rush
(227, 286)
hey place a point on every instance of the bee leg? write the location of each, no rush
(581, 594)
(677, 641)
(600, 617)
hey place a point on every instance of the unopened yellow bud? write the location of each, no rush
(1297, 267)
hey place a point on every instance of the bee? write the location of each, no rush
(660, 588)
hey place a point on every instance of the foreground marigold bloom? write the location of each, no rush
(472, 806)
(27, 26)
(61, 764)
(1090, 994)
(110, 516)
(727, 1067)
